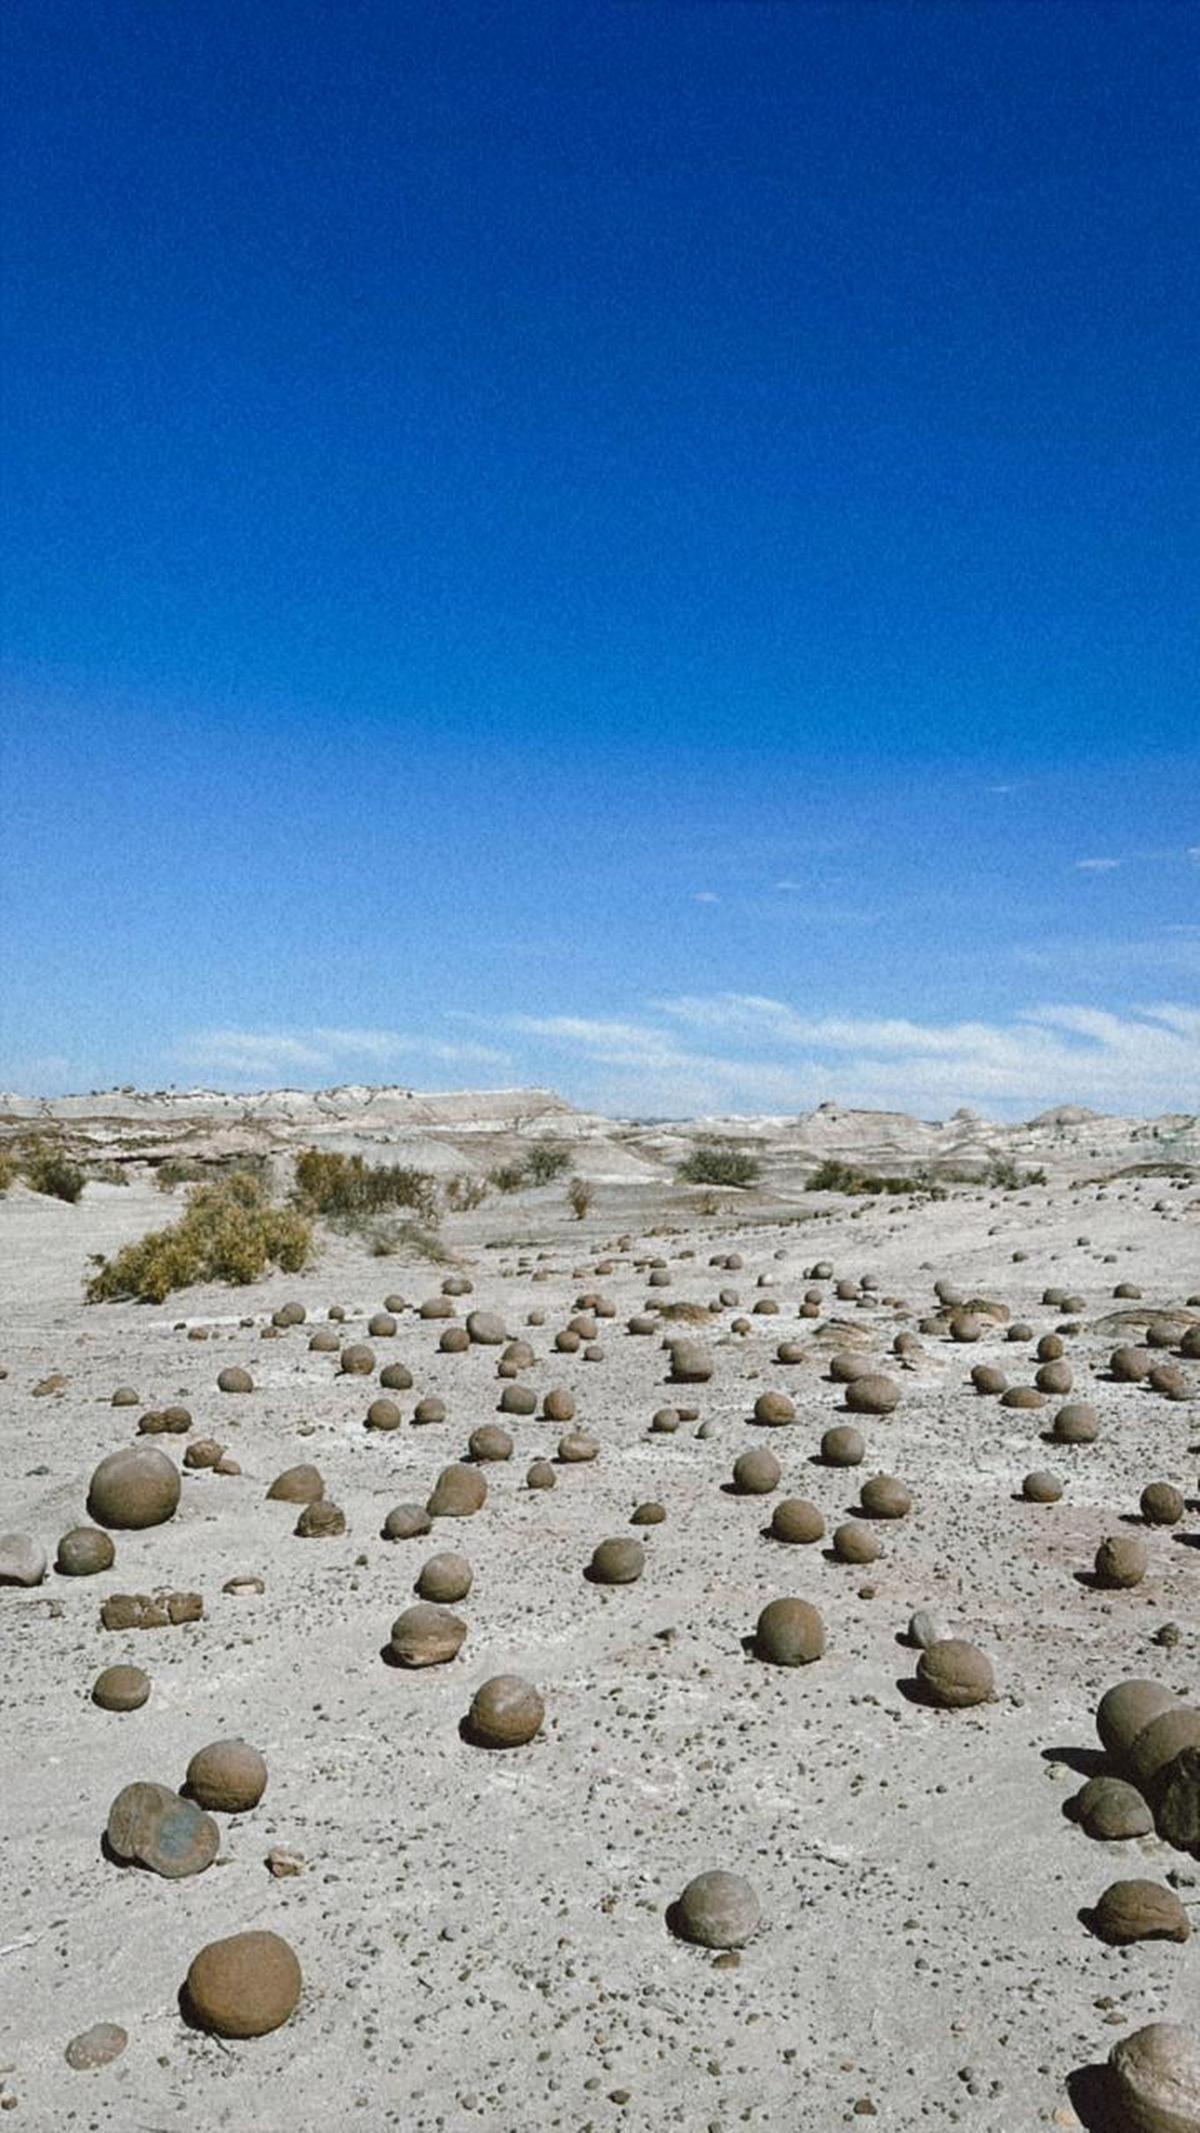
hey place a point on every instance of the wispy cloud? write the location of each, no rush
(705, 896)
(1096, 866)
(267, 1054)
(761, 1053)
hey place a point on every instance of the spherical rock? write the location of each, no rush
(298, 1484)
(382, 1327)
(384, 1414)
(84, 1551)
(426, 1635)
(518, 1400)
(1076, 1423)
(716, 1910)
(1121, 1560)
(506, 1712)
(1041, 1487)
(691, 1363)
(846, 1364)
(1139, 1910)
(134, 1488)
(459, 1492)
(455, 1341)
(577, 1448)
(1025, 1397)
(1161, 1504)
(486, 1328)
(1129, 1365)
(794, 1519)
(406, 1522)
(490, 1442)
(1125, 1709)
(756, 1472)
(323, 1342)
(227, 1777)
(541, 1475)
(1159, 1743)
(874, 1395)
(321, 1520)
(244, 1986)
(429, 1411)
(617, 1562)
(955, 1675)
(357, 1360)
(665, 1421)
(396, 1377)
(924, 1629)
(154, 1827)
(885, 1497)
(445, 1579)
(121, 1688)
(558, 1405)
(843, 1446)
(1177, 1789)
(1111, 1809)
(1154, 2078)
(855, 1543)
(986, 1378)
(235, 1379)
(789, 1633)
(648, 1514)
(773, 1409)
(22, 1559)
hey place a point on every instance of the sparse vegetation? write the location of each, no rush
(45, 1168)
(1003, 1175)
(463, 1192)
(540, 1165)
(388, 1239)
(834, 1176)
(344, 1187)
(230, 1232)
(579, 1197)
(178, 1170)
(720, 1163)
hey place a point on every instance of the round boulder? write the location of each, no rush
(426, 1635)
(789, 1633)
(459, 1492)
(244, 1986)
(506, 1712)
(120, 1688)
(955, 1675)
(796, 1520)
(151, 1826)
(620, 1561)
(716, 1910)
(134, 1488)
(84, 1551)
(1154, 2078)
(227, 1777)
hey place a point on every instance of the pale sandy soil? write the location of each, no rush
(483, 1937)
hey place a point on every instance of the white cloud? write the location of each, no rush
(1096, 866)
(759, 1053)
(705, 896)
(272, 1053)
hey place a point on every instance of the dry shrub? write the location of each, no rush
(347, 1188)
(230, 1232)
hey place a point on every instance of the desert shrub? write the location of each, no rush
(579, 1197)
(230, 1232)
(1003, 1175)
(8, 1172)
(546, 1161)
(508, 1178)
(833, 1176)
(388, 1239)
(108, 1173)
(719, 1163)
(347, 1187)
(178, 1170)
(46, 1169)
(463, 1192)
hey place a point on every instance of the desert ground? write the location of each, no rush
(484, 1935)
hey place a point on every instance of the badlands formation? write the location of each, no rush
(633, 1664)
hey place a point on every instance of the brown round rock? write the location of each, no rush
(794, 1519)
(773, 1409)
(617, 1562)
(154, 1827)
(1125, 1709)
(789, 1633)
(843, 1446)
(357, 1360)
(134, 1488)
(1139, 1910)
(84, 1551)
(1041, 1487)
(691, 1363)
(95, 2047)
(885, 1497)
(121, 1688)
(506, 1712)
(1161, 1504)
(396, 1377)
(756, 1472)
(382, 1327)
(235, 1379)
(320, 1521)
(384, 1414)
(558, 1405)
(1056, 1377)
(489, 1441)
(518, 1400)
(1159, 1743)
(1112, 1810)
(577, 1448)
(1154, 2078)
(227, 1777)
(459, 1492)
(406, 1522)
(445, 1579)
(245, 1986)
(716, 1910)
(298, 1484)
(324, 1341)
(1121, 1560)
(648, 1514)
(986, 1378)
(1076, 1423)
(426, 1635)
(429, 1410)
(855, 1543)
(1129, 1365)
(541, 1475)
(874, 1395)
(955, 1675)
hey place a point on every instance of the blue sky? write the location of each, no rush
(647, 546)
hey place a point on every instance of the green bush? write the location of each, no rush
(178, 1170)
(345, 1186)
(230, 1232)
(833, 1176)
(46, 1169)
(509, 1178)
(1003, 1175)
(546, 1161)
(720, 1163)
